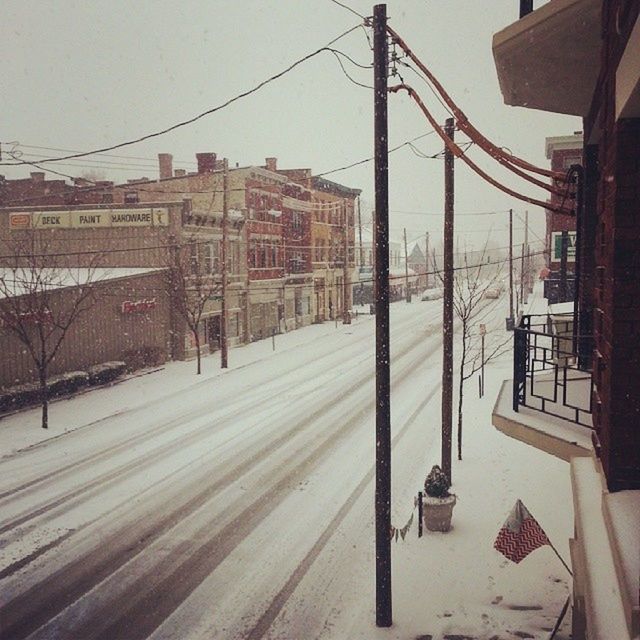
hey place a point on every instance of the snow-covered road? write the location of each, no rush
(237, 507)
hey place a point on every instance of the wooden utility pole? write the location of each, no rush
(426, 261)
(522, 281)
(527, 253)
(381, 292)
(483, 331)
(447, 306)
(510, 321)
(406, 268)
(225, 219)
(346, 318)
(563, 266)
(360, 233)
(284, 282)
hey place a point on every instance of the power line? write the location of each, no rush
(457, 152)
(137, 186)
(106, 155)
(189, 121)
(261, 288)
(344, 6)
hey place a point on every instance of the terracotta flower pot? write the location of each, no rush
(437, 512)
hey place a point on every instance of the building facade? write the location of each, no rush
(285, 235)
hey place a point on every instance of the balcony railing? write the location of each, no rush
(546, 375)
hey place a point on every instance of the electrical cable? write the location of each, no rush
(499, 158)
(195, 118)
(463, 121)
(258, 288)
(106, 155)
(456, 151)
(346, 73)
(344, 6)
(135, 186)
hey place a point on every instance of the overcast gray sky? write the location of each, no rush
(80, 75)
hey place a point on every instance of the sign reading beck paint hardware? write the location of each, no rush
(89, 218)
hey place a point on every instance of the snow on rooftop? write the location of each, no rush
(20, 281)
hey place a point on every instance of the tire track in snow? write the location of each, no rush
(40, 603)
(160, 429)
(141, 612)
(270, 396)
(280, 599)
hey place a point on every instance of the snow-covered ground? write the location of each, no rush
(239, 503)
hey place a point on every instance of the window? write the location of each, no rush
(296, 222)
(131, 197)
(193, 258)
(211, 257)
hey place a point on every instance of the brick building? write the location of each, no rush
(580, 57)
(129, 319)
(563, 152)
(271, 276)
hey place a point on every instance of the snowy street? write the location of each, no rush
(237, 504)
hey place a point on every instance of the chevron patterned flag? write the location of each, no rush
(520, 534)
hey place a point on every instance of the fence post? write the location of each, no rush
(519, 364)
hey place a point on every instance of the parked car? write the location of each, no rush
(492, 293)
(432, 294)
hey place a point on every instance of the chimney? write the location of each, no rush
(37, 176)
(178, 173)
(206, 162)
(272, 164)
(165, 162)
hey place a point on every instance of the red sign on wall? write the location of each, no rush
(138, 306)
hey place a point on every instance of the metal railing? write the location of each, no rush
(546, 375)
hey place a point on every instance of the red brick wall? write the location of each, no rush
(102, 333)
(617, 283)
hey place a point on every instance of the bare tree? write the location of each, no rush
(192, 282)
(33, 307)
(473, 284)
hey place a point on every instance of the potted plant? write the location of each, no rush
(437, 504)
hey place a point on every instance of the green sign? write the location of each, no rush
(556, 246)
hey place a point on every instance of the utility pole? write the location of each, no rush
(527, 252)
(510, 320)
(346, 319)
(381, 293)
(284, 281)
(563, 266)
(483, 331)
(522, 276)
(406, 268)
(360, 233)
(426, 261)
(225, 218)
(447, 306)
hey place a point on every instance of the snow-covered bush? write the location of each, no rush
(436, 485)
(106, 372)
(67, 383)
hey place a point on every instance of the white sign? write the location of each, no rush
(89, 218)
